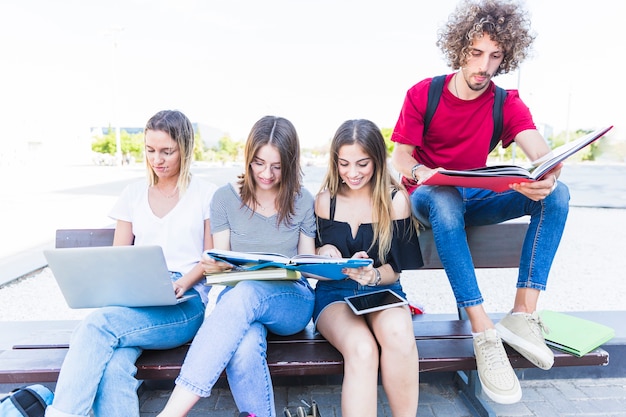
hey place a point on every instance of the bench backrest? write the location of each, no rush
(79, 238)
(493, 246)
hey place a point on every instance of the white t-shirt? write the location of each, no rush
(180, 232)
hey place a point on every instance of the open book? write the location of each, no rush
(231, 278)
(573, 334)
(499, 177)
(323, 266)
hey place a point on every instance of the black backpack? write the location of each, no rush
(434, 94)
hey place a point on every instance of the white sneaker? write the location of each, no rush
(524, 333)
(495, 372)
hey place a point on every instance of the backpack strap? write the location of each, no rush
(28, 402)
(434, 94)
(498, 105)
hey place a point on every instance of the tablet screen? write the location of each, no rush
(374, 301)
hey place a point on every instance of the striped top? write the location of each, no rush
(252, 231)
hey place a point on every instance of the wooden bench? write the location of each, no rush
(444, 345)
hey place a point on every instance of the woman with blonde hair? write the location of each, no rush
(362, 212)
(171, 210)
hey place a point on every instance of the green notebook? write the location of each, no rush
(573, 334)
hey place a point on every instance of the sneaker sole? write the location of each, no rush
(502, 399)
(528, 350)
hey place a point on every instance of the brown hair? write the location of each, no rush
(281, 134)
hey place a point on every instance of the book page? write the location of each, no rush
(560, 153)
(272, 274)
(319, 259)
(246, 257)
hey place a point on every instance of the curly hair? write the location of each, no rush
(503, 20)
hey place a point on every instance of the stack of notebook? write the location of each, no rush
(573, 334)
(231, 278)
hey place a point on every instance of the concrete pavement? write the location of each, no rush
(438, 398)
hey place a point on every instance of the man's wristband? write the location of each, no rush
(415, 167)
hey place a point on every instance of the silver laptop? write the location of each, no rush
(130, 276)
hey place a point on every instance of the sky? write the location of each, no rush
(68, 65)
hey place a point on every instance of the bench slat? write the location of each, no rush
(284, 359)
(59, 337)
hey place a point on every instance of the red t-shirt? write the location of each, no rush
(460, 131)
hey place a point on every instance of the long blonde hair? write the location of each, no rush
(367, 135)
(180, 129)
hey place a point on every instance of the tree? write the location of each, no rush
(387, 132)
(226, 150)
(199, 150)
(132, 144)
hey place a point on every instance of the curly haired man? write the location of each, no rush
(482, 39)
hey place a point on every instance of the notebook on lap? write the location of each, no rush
(131, 276)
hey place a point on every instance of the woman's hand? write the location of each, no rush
(211, 266)
(328, 250)
(364, 275)
(179, 288)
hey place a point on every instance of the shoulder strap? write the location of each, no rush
(498, 105)
(28, 402)
(434, 94)
(333, 204)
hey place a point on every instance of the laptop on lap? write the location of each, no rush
(130, 276)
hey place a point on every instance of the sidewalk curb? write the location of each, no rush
(24, 263)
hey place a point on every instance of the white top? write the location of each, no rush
(180, 233)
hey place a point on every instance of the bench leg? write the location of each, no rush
(471, 394)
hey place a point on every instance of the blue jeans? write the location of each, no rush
(233, 337)
(448, 210)
(99, 368)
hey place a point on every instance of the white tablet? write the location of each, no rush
(374, 301)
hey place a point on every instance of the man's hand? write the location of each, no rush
(538, 190)
(423, 173)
